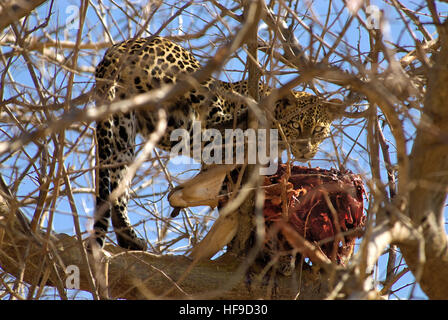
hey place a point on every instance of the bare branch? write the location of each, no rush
(14, 10)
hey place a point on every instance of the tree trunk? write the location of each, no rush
(429, 176)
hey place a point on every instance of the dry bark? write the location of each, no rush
(140, 275)
(13, 11)
(429, 176)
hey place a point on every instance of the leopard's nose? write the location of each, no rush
(304, 152)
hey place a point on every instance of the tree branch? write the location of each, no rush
(428, 170)
(141, 275)
(15, 10)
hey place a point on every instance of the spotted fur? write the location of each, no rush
(139, 65)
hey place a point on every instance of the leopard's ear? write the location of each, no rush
(336, 107)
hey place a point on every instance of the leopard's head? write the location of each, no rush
(306, 120)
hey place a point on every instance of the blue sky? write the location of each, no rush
(150, 201)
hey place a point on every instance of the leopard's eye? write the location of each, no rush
(295, 125)
(318, 129)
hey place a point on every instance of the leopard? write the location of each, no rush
(139, 65)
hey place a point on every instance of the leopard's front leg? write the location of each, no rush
(116, 143)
